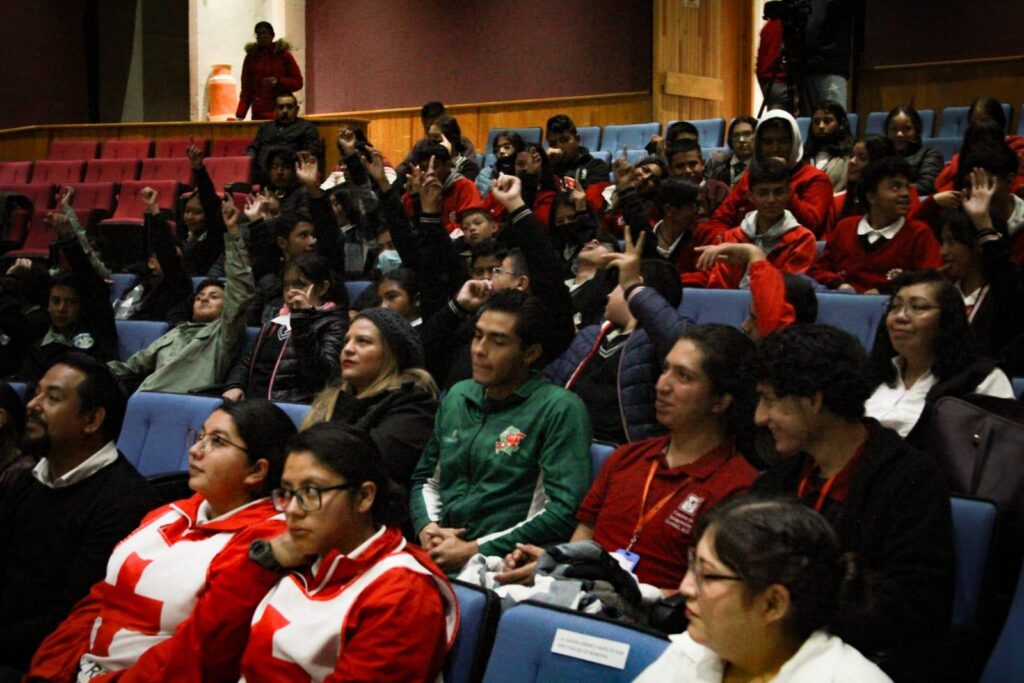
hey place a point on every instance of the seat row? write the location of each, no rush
(223, 170)
(164, 148)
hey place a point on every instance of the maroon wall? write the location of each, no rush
(911, 32)
(363, 54)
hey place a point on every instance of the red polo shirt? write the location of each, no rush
(612, 506)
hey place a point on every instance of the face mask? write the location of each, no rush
(506, 165)
(388, 260)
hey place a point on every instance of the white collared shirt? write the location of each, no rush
(899, 407)
(873, 235)
(666, 252)
(88, 467)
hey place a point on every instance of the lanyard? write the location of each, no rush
(649, 515)
(826, 487)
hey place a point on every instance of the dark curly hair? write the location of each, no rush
(839, 143)
(769, 541)
(727, 355)
(954, 346)
(804, 360)
(878, 170)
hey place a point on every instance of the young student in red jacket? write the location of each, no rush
(810, 196)
(789, 245)
(187, 562)
(865, 253)
(458, 194)
(355, 600)
(269, 70)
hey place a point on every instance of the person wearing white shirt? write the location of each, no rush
(760, 590)
(926, 351)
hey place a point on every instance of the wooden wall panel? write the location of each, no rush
(936, 86)
(702, 63)
(393, 131)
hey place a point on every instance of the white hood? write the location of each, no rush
(796, 152)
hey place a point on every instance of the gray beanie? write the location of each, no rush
(398, 333)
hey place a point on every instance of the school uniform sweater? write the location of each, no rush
(790, 247)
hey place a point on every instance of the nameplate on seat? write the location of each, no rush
(590, 648)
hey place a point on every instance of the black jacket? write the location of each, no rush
(959, 385)
(897, 519)
(584, 169)
(925, 165)
(292, 367)
(400, 422)
(200, 252)
(162, 293)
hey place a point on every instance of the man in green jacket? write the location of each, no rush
(509, 460)
(198, 354)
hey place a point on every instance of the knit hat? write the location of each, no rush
(398, 333)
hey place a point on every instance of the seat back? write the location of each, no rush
(711, 131)
(355, 287)
(853, 120)
(41, 195)
(599, 453)
(21, 389)
(122, 283)
(40, 235)
(876, 123)
(545, 644)
(130, 206)
(927, 122)
(57, 172)
(973, 524)
(725, 306)
(953, 122)
(226, 171)
(858, 314)
(948, 146)
(1018, 386)
(73, 149)
(126, 149)
(631, 136)
(92, 196)
(531, 134)
(296, 411)
(1006, 663)
(178, 169)
(590, 137)
(172, 148)
(479, 610)
(111, 170)
(135, 335)
(153, 437)
(229, 147)
(15, 172)
(803, 123)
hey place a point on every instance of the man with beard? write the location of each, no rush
(60, 520)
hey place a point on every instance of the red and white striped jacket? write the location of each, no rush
(385, 612)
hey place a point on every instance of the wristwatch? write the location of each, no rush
(262, 553)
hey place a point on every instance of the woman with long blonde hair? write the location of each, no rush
(383, 389)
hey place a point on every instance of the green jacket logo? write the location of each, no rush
(508, 442)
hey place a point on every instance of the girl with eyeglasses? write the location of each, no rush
(761, 588)
(924, 351)
(355, 601)
(186, 564)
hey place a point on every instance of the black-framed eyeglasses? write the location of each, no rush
(310, 498)
(698, 574)
(208, 441)
(912, 308)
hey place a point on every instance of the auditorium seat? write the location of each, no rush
(355, 288)
(803, 123)
(295, 411)
(853, 120)
(172, 148)
(122, 283)
(130, 206)
(532, 134)
(599, 453)
(858, 314)
(92, 202)
(606, 157)
(876, 123)
(724, 306)
(127, 242)
(1018, 386)
(135, 335)
(948, 146)
(41, 197)
(21, 389)
(229, 147)
(1020, 121)
(228, 171)
(57, 172)
(154, 435)
(126, 149)
(111, 170)
(974, 522)
(178, 169)
(479, 610)
(954, 121)
(1006, 663)
(549, 644)
(711, 151)
(15, 172)
(39, 235)
(631, 136)
(64, 150)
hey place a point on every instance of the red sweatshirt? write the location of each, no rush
(273, 62)
(459, 194)
(848, 260)
(768, 298)
(793, 251)
(810, 200)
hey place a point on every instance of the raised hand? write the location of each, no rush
(149, 198)
(21, 265)
(195, 155)
(375, 168)
(446, 143)
(65, 198)
(230, 213)
(306, 170)
(981, 187)
(473, 294)
(627, 262)
(508, 189)
(346, 141)
(624, 171)
(253, 207)
(430, 191)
